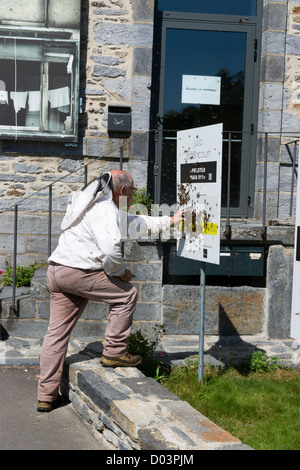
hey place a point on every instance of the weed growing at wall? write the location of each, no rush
(138, 344)
(24, 274)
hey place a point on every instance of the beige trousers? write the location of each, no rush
(70, 290)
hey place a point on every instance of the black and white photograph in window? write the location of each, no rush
(39, 69)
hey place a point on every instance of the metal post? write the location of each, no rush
(85, 175)
(228, 185)
(156, 163)
(265, 186)
(201, 326)
(121, 157)
(293, 177)
(15, 258)
(50, 220)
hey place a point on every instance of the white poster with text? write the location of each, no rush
(199, 89)
(199, 176)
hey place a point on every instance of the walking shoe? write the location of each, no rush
(121, 361)
(48, 405)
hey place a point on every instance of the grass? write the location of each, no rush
(257, 401)
(262, 409)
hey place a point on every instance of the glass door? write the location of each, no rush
(207, 78)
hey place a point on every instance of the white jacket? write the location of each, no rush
(95, 241)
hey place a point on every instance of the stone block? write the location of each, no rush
(292, 44)
(139, 251)
(140, 146)
(120, 87)
(272, 179)
(25, 308)
(151, 291)
(94, 311)
(153, 439)
(25, 328)
(39, 243)
(100, 392)
(44, 309)
(140, 117)
(275, 17)
(142, 65)
(7, 244)
(141, 89)
(273, 68)
(142, 35)
(147, 311)
(280, 281)
(131, 415)
(197, 423)
(147, 387)
(273, 151)
(270, 120)
(39, 288)
(113, 34)
(143, 10)
(228, 311)
(274, 42)
(146, 271)
(271, 95)
(87, 330)
(111, 72)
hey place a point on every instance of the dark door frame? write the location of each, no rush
(249, 25)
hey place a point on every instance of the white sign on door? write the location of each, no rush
(199, 89)
(199, 173)
(295, 319)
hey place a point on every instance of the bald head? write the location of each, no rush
(121, 178)
(122, 184)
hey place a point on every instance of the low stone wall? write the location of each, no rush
(134, 412)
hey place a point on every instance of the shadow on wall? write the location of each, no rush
(230, 348)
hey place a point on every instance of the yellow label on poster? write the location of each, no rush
(206, 228)
(210, 229)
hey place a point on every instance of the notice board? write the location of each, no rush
(199, 176)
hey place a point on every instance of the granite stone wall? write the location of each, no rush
(229, 311)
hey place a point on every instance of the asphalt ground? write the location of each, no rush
(22, 427)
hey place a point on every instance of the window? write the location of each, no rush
(39, 70)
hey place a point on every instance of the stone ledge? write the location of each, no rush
(134, 412)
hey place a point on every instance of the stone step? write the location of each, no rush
(134, 412)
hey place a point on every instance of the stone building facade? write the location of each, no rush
(117, 67)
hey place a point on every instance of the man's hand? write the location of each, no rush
(127, 276)
(177, 218)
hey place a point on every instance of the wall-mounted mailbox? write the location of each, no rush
(119, 120)
(235, 260)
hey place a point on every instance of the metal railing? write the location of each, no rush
(292, 154)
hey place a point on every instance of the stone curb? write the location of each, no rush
(134, 412)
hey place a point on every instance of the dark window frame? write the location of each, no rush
(47, 37)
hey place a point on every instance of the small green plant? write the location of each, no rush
(260, 362)
(24, 274)
(143, 198)
(138, 344)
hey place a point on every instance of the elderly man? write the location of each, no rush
(88, 265)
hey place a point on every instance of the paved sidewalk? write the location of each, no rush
(24, 428)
